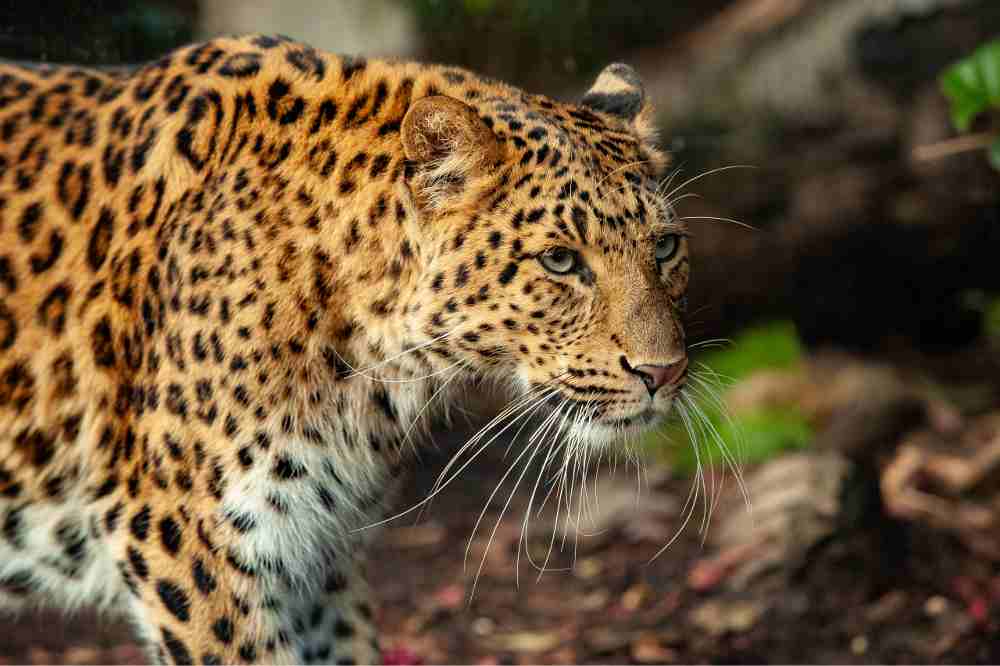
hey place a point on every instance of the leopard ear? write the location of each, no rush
(617, 91)
(448, 143)
(439, 127)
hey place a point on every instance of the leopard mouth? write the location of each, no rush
(603, 428)
(642, 419)
(623, 428)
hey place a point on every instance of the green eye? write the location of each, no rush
(559, 260)
(666, 247)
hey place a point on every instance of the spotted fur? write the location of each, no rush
(231, 279)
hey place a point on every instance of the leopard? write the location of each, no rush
(237, 283)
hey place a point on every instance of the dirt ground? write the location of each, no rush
(879, 593)
(875, 591)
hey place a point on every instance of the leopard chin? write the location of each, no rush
(609, 432)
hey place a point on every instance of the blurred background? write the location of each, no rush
(848, 343)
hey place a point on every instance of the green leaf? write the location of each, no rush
(994, 154)
(770, 346)
(991, 318)
(972, 85)
(478, 7)
(749, 439)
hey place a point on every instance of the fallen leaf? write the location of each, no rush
(450, 596)
(588, 567)
(400, 656)
(887, 606)
(634, 596)
(648, 650)
(81, 654)
(718, 617)
(606, 639)
(525, 641)
(415, 536)
(709, 572)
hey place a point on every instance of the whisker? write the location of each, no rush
(408, 380)
(720, 219)
(522, 539)
(621, 168)
(444, 385)
(665, 183)
(514, 406)
(712, 393)
(362, 371)
(714, 342)
(707, 173)
(534, 451)
(687, 510)
(439, 487)
(734, 465)
(549, 457)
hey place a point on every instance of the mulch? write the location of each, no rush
(883, 592)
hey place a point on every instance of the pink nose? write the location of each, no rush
(657, 376)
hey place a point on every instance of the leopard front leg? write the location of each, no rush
(336, 626)
(195, 602)
(199, 598)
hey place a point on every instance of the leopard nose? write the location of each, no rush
(658, 376)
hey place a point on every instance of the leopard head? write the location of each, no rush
(552, 259)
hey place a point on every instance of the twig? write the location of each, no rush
(949, 147)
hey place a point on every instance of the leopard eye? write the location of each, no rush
(559, 260)
(666, 247)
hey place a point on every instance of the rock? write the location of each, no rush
(796, 503)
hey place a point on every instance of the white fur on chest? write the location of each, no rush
(302, 505)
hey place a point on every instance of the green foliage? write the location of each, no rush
(972, 86)
(479, 6)
(769, 346)
(991, 320)
(147, 27)
(541, 42)
(993, 154)
(752, 437)
(95, 32)
(988, 304)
